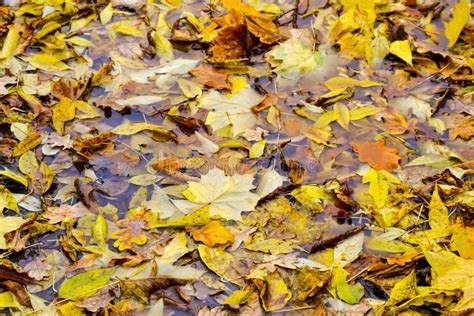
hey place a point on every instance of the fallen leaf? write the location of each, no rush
(226, 196)
(454, 27)
(377, 155)
(208, 76)
(213, 234)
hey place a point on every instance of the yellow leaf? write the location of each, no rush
(79, 41)
(274, 293)
(9, 224)
(361, 113)
(213, 234)
(31, 140)
(403, 290)
(28, 163)
(257, 149)
(461, 15)
(402, 49)
(163, 46)
(378, 187)
(226, 196)
(84, 110)
(344, 116)
(47, 62)
(7, 200)
(379, 47)
(124, 29)
(438, 214)
(14, 176)
(47, 28)
(199, 217)
(10, 43)
(99, 232)
(133, 128)
(326, 119)
(336, 83)
(106, 14)
(63, 112)
(80, 23)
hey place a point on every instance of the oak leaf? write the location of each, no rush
(377, 155)
(132, 231)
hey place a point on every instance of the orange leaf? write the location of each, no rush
(377, 155)
(212, 234)
(210, 77)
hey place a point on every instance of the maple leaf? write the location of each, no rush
(377, 155)
(210, 77)
(296, 55)
(225, 196)
(132, 231)
(234, 111)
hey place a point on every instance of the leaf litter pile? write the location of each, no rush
(236, 157)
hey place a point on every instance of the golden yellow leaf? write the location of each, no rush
(438, 214)
(63, 112)
(461, 15)
(213, 234)
(48, 62)
(402, 50)
(10, 43)
(345, 82)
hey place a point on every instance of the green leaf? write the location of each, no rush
(438, 214)
(461, 15)
(350, 294)
(85, 284)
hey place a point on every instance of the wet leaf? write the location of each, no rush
(48, 63)
(377, 155)
(438, 213)
(402, 49)
(218, 192)
(210, 77)
(213, 234)
(454, 27)
(85, 284)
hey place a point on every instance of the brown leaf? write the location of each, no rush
(12, 272)
(377, 155)
(208, 76)
(268, 101)
(143, 288)
(19, 291)
(96, 144)
(174, 166)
